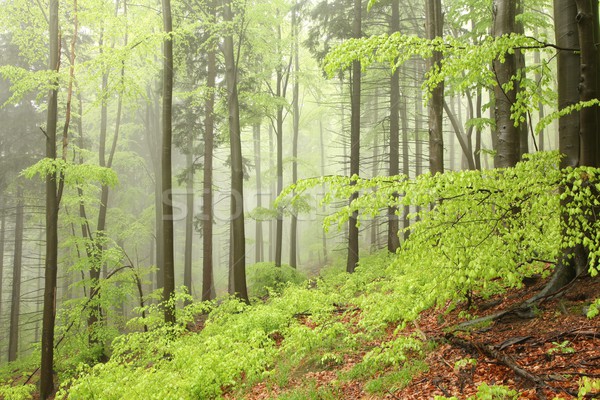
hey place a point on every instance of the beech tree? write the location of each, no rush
(52, 206)
(435, 25)
(167, 207)
(508, 147)
(238, 236)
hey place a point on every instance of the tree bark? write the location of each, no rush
(353, 245)
(237, 172)
(2, 239)
(296, 128)
(258, 233)
(166, 176)
(189, 217)
(393, 240)
(587, 21)
(208, 290)
(435, 24)
(13, 340)
(52, 206)
(508, 144)
(568, 67)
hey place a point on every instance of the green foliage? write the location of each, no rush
(74, 175)
(594, 309)
(588, 388)
(561, 348)
(20, 392)
(487, 392)
(262, 278)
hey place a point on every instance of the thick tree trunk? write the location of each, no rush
(52, 205)
(520, 68)
(237, 171)
(587, 20)
(568, 64)
(13, 339)
(353, 245)
(508, 150)
(435, 24)
(166, 176)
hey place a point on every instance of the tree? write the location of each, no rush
(166, 177)
(508, 140)
(435, 24)
(238, 237)
(589, 82)
(393, 242)
(577, 129)
(13, 343)
(52, 206)
(353, 244)
(296, 129)
(207, 192)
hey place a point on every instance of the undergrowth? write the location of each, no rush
(477, 234)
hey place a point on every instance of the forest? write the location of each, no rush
(299, 199)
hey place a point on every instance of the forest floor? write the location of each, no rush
(541, 355)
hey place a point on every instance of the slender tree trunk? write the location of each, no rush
(207, 193)
(2, 238)
(13, 342)
(167, 207)
(477, 151)
(538, 77)
(189, 217)
(272, 224)
(237, 171)
(323, 233)
(258, 233)
(393, 241)
(353, 244)
(52, 206)
(405, 161)
(435, 24)
(279, 135)
(296, 128)
(508, 139)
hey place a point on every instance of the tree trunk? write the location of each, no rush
(52, 206)
(237, 171)
(296, 128)
(520, 68)
(324, 234)
(189, 217)
(435, 26)
(13, 340)
(208, 288)
(508, 150)
(393, 240)
(2, 238)
(353, 245)
(568, 67)
(167, 207)
(587, 20)
(258, 233)
(405, 162)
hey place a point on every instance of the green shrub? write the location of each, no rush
(265, 277)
